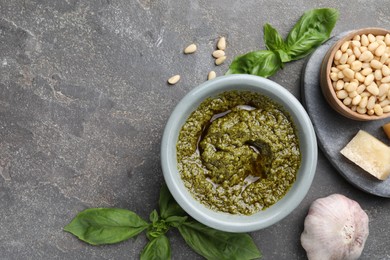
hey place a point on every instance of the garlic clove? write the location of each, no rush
(335, 228)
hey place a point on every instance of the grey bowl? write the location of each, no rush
(225, 221)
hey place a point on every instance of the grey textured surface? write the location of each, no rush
(335, 131)
(84, 100)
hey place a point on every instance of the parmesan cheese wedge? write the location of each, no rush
(370, 154)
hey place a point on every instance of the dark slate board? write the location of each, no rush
(334, 131)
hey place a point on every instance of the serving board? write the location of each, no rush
(334, 131)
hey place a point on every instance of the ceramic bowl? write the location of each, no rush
(326, 82)
(225, 221)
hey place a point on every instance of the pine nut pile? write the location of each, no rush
(219, 56)
(360, 74)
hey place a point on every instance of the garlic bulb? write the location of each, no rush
(336, 227)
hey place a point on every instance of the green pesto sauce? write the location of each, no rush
(238, 152)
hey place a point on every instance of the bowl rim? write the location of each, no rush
(224, 221)
(326, 83)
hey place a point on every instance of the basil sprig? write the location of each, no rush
(312, 29)
(99, 226)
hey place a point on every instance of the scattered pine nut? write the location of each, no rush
(218, 53)
(221, 45)
(190, 49)
(211, 75)
(173, 80)
(220, 60)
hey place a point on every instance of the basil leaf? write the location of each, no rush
(168, 205)
(261, 63)
(175, 221)
(312, 29)
(272, 39)
(99, 226)
(157, 249)
(153, 217)
(214, 244)
(157, 229)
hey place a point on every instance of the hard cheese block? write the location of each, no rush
(370, 154)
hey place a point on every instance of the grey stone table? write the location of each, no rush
(84, 101)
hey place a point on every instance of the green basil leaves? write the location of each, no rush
(98, 226)
(157, 249)
(217, 245)
(106, 225)
(260, 63)
(312, 29)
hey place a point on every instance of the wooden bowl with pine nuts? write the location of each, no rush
(355, 75)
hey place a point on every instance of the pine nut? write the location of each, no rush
(385, 70)
(334, 69)
(357, 52)
(211, 75)
(349, 73)
(344, 46)
(351, 86)
(366, 71)
(385, 79)
(361, 110)
(356, 43)
(378, 110)
(339, 85)
(373, 46)
(378, 75)
(353, 94)
(356, 100)
(363, 102)
(364, 40)
(361, 88)
(351, 59)
(375, 64)
(380, 50)
(369, 79)
(359, 77)
(370, 112)
(383, 89)
(334, 76)
(343, 58)
(386, 109)
(387, 39)
(356, 65)
(384, 103)
(337, 55)
(371, 38)
(347, 101)
(380, 38)
(220, 60)
(343, 66)
(173, 80)
(341, 94)
(221, 45)
(190, 49)
(366, 56)
(218, 53)
(371, 102)
(384, 58)
(373, 89)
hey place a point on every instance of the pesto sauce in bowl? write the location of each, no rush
(238, 152)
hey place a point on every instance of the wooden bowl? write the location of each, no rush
(326, 82)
